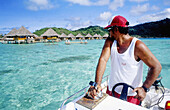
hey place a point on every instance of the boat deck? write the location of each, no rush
(112, 103)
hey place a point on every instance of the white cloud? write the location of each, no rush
(138, 0)
(116, 4)
(101, 2)
(40, 2)
(105, 16)
(36, 5)
(90, 2)
(81, 2)
(139, 9)
(76, 23)
(155, 17)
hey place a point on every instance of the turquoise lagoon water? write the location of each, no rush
(40, 76)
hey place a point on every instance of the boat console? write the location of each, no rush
(106, 103)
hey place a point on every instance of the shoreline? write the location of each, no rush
(142, 38)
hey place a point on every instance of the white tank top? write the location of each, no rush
(125, 69)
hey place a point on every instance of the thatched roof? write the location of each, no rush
(24, 32)
(79, 35)
(49, 33)
(106, 35)
(13, 32)
(97, 35)
(63, 35)
(20, 32)
(71, 35)
(88, 35)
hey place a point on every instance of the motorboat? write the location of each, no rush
(158, 98)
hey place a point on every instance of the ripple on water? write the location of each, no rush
(71, 59)
(2, 72)
(165, 66)
(44, 63)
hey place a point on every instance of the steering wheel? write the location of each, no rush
(123, 95)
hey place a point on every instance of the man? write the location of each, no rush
(127, 57)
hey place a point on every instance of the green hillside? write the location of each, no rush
(151, 29)
(84, 31)
(92, 30)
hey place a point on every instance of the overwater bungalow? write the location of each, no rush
(100, 37)
(105, 36)
(10, 37)
(50, 36)
(25, 36)
(22, 35)
(71, 36)
(63, 36)
(88, 36)
(80, 37)
(96, 36)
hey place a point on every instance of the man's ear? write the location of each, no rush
(116, 29)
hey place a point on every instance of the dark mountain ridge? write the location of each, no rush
(152, 29)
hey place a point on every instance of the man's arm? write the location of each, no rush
(103, 61)
(101, 66)
(143, 52)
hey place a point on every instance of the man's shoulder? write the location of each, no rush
(140, 46)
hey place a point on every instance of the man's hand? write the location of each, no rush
(141, 94)
(93, 92)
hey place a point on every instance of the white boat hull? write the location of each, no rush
(112, 103)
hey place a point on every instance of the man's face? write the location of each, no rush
(111, 33)
(114, 33)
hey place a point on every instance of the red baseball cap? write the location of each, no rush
(118, 21)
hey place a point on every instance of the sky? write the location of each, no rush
(75, 14)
